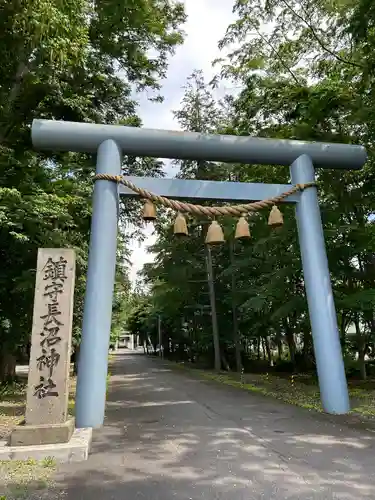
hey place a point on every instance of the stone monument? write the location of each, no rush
(47, 420)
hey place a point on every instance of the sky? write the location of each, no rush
(206, 24)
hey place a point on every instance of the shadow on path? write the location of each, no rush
(170, 436)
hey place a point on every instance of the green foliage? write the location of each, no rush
(305, 71)
(68, 60)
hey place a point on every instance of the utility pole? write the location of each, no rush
(160, 337)
(215, 328)
(236, 339)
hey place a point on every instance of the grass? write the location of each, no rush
(299, 390)
(13, 405)
(19, 478)
(289, 391)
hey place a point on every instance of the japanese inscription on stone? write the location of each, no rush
(48, 384)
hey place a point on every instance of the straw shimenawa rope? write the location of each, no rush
(179, 206)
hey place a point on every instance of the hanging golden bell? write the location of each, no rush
(149, 211)
(215, 234)
(180, 226)
(242, 229)
(275, 218)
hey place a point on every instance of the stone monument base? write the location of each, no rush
(75, 450)
(28, 435)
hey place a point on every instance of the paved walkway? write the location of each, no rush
(169, 436)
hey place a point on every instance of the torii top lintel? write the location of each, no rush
(86, 138)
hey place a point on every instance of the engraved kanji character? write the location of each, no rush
(45, 388)
(55, 270)
(53, 290)
(51, 337)
(53, 311)
(48, 360)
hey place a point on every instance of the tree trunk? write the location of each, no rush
(236, 339)
(268, 349)
(279, 346)
(215, 327)
(361, 342)
(291, 343)
(225, 363)
(76, 359)
(306, 348)
(166, 347)
(7, 365)
(258, 353)
(264, 349)
(150, 345)
(22, 70)
(343, 323)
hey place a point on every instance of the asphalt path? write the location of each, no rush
(171, 436)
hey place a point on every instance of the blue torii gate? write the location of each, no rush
(110, 142)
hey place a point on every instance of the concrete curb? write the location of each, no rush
(76, 450)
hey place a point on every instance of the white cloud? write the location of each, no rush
(206, 24)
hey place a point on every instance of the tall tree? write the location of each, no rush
(66, 60)
(306, 72)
